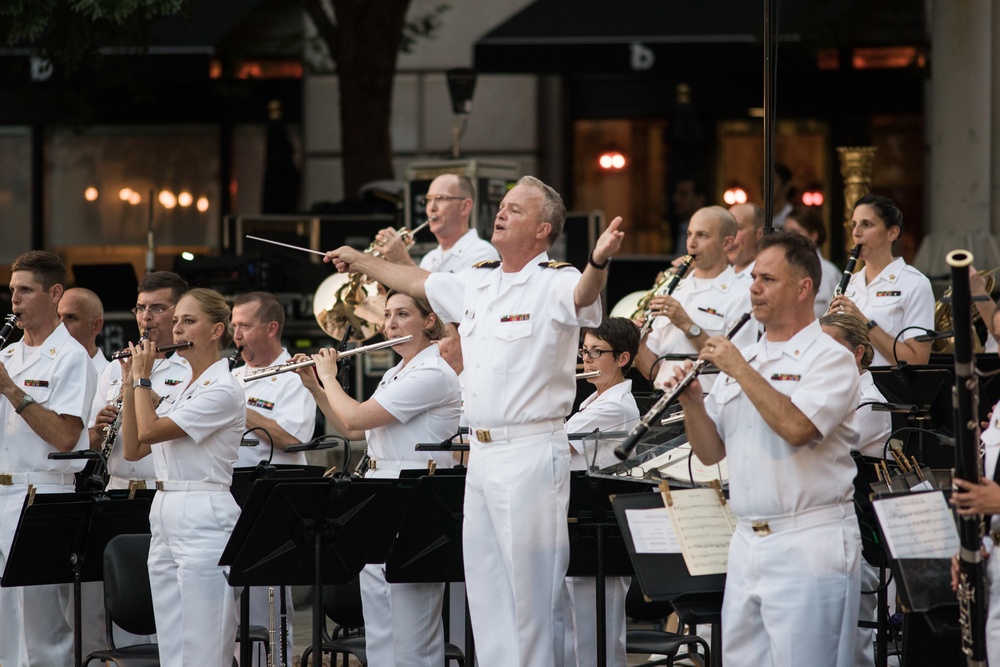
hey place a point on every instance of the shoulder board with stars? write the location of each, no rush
(487, 264)
(552, 264)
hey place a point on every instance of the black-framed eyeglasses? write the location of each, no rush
(155, 309)
(593, 352)
(424, 200)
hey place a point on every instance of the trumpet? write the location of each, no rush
(668, 284)
(306, 363)
(125, 354)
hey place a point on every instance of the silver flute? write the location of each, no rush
(294, 365)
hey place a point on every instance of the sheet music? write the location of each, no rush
(704, 525)
(674, 464)
(918, 525)
(652, 531)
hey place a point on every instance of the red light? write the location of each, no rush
(612, 160)
(735, 195)
(812, 198)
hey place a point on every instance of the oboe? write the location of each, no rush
(852, 261)
(623, 450)
(8, 327)
(124, 354)
(972, 587)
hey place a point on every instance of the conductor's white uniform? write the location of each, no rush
(520, 333)
(403, 621)
(191, 519)
(792, 593)
(614, 410)
(35, 621)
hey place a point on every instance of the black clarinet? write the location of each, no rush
(623, 450)
(852, 261)
(972, 586)
(8, 327)
(234, 358)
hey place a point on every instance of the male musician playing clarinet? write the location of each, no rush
(782, 414)
(47, 382)
(519, 321)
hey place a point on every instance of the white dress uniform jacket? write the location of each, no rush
(898, 297)
(58, 374)
(169, 376)
(468, 250)
(874, 427)
(713, 304)
(805, 564)
(284, 399)
(520, 332)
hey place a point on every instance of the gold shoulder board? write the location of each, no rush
(487, 264)
(552, 264)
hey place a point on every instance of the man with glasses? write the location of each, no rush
(449, 202)
(158, 293)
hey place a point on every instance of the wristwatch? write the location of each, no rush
(871, 324)
(143, 383)
(694, 331)
(25, 402)
(599, 267)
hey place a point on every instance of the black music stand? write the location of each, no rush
(665, 577)
(928, 388)
(305, 532)
(596, 546)
(60, 539)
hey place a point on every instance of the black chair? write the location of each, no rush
(656, 640)
(128, 602)
(342, 605)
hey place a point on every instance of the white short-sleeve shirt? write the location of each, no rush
(284, 399)
(898, 297)
(468, 250)
(614, 410)
(874, 426)
(211, 414)
(426, 399)
(767, 476)
(520, 333)
(59, 375)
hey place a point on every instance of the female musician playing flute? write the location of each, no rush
(193, 438)
(888, 295)
(418, 400)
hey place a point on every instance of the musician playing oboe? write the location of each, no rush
(418, 400)
(888, 295)
(193, 436)
(782, 414)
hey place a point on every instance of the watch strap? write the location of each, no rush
(25, 402)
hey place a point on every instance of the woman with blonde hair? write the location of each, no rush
(193, 437)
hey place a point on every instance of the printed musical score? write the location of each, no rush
(918, 525)
(652, 531)
(704, 526)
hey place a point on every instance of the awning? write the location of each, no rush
(605, 36)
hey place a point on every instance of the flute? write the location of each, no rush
(587, 374)
(294, 365)
(124, 354)
(623, 450)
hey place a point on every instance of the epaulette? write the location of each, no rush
(487, 264)
(552, 264)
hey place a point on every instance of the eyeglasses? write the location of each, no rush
(424, 200)
(155, 309)
(593, 353)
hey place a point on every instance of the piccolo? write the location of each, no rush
(124, 354)
(623, 450)
(305, 363)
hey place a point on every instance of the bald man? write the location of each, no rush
(82, 312)
(749, 229)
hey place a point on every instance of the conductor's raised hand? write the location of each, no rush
(343, 258)
(609, 242)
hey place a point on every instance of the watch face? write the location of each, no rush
(695, 330)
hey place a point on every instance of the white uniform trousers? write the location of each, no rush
(403, 624)
(260, 614)
(37, 621)
(993, 615)
(864, 649)
(581, 621)
(194, 605)
(792, 596)
(516, 548)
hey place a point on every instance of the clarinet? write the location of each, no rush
(235, 358)
(111, 430)
(972, 586)
(623, 450)
(852, 261)
(8, 327)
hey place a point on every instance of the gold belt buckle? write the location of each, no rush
(159, 485)
(372, 464)
(483, 435)
(761, 528)
(137, 485)
(6, 479)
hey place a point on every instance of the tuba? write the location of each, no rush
(943, 320)
(354, 301)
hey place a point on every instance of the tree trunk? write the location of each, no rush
(368, 39)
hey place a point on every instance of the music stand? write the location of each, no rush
(929, 388)
(665, 577)
(305, 532)
(60, 539)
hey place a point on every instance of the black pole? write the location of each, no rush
(770, 54)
